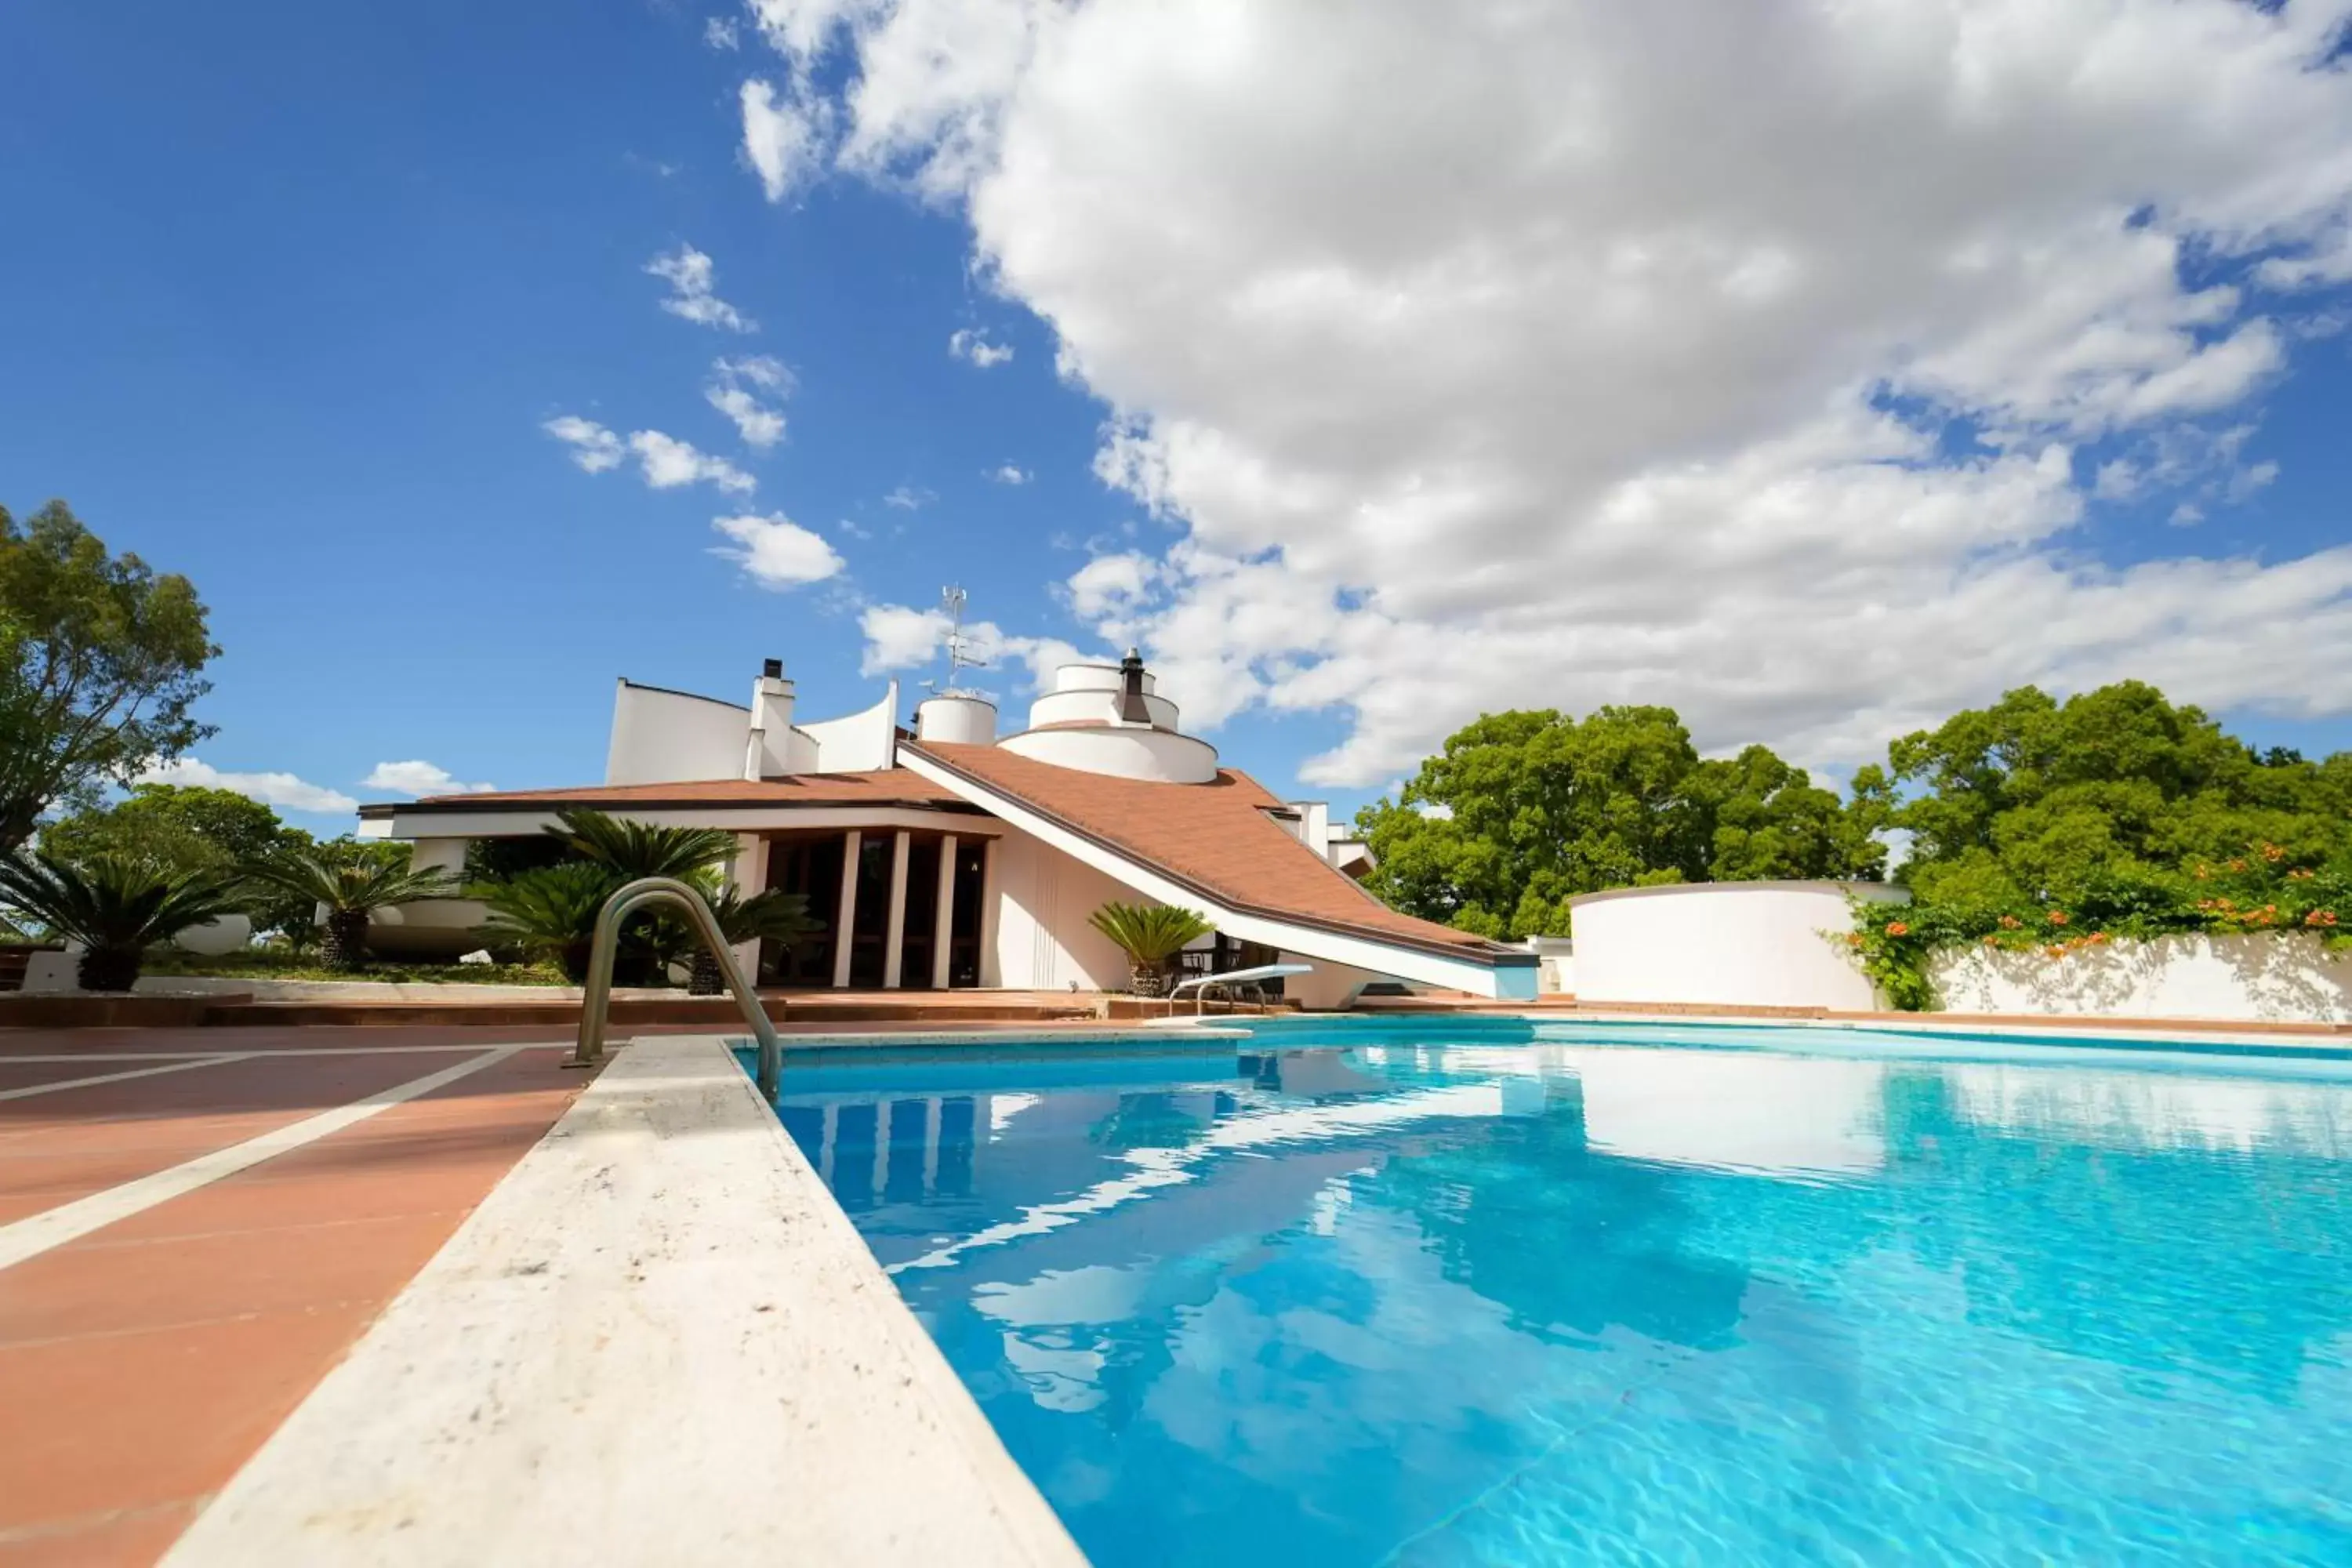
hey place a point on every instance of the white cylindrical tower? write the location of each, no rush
(1106, 718)
(958, 718)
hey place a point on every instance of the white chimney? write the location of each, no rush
(770, 752)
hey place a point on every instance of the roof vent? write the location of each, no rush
(1132, 707)
(772, 668)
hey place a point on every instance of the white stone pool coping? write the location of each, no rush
(660, 1342)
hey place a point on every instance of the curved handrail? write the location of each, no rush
(597, 1001)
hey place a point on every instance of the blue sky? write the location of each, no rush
(291, 292)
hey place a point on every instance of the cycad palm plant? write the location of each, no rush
(637, 849)
(1149, 934)
(772, 916)
(352, 884)
(629, 850)
(115, 908)
(553, 910)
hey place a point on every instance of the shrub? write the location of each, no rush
(2266, 889)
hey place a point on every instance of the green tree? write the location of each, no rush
(2112, 791)
(1523, 811)
(100, 662)
(190, 827)
(187, 826)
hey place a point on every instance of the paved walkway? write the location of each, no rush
(195, 1226)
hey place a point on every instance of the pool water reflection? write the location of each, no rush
(1564, 1294)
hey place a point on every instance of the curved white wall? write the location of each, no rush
(860, 742)
(1160, 756)
(1095, 677)
(958, 718)
(667, 737)
(1757, 944)
(1094, 707)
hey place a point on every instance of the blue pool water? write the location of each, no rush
(1404, 1293)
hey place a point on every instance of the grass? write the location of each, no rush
(278, 963)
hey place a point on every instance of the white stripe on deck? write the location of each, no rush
(36, 1233)
(30, 1090)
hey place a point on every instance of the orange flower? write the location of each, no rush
(2057, 917)
(1896, 928)
(2320, 918)
(2055, 952)
(2273, 853)
(2009, 922)
(2098, 936)
(2203, 872)
(1854, 941)
(2236, 864)
(2300, 874)
(1992, 942)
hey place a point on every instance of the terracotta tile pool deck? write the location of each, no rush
(158, 1321)
(146, 1360)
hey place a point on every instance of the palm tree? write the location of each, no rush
(637, 849)
(554, 910)
(1149, 934)
(351, 884)
(773, 916)
(116, 909)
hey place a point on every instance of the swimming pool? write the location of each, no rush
(1414, 1291)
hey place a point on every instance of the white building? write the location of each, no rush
(946, 856)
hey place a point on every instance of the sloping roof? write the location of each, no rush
(881, 788)
(1216, 838)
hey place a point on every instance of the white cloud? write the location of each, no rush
(761, 425)
(665, 461)
(691, 275)
(1009, 474)
(1111, 586)
(417, 777)
(900, 638)
(782, 139)
(1730, 357)
(974, 347)
(718, 32)
(668, 462)
(775, 551)
(594, 448)
(908, 498)
(282, 790)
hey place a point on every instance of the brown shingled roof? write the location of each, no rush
(1215, 838)
(881, 788)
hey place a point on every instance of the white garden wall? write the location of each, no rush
(2247, 979)
(1753, 944)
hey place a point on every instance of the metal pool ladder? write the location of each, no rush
(597, 1002)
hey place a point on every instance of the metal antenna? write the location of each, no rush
(957, 647)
